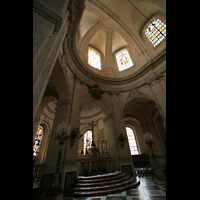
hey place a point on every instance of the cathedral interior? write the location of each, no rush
(99, 96)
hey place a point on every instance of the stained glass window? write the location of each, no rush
(94, 58)
(132, 141)
(38, 140)
(87, 140)
(123, 60)
(155, 31)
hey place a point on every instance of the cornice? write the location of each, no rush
(85, 74)
(47, 14)
(96, 115)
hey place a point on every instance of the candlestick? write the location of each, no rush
(61, 136)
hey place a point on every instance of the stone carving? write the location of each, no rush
(122, 139)
(112, 93)
(74, 133)
(134, 93)
(95, 91)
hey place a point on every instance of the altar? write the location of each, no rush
(94, 163)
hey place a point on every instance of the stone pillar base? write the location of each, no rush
(160, 176)
(54, 193)
(58, 197)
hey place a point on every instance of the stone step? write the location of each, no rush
(103, 187)
(107, 190)
(103, 184)
(102, 179)
(99, 176)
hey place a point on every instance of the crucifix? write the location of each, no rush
(93, 143)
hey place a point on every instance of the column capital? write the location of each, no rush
(155, 79)
(108, 116)
(112, 93)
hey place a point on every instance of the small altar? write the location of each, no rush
(94, 162)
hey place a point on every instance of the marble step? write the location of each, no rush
(99, 176)
(99, 180)
(109, 190)
(105, 186)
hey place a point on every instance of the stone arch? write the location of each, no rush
(43, 104)
(136, 126)
(61, 82)
(103, 104)
(82, 132)
(134, 94)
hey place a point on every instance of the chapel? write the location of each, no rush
(99, 93)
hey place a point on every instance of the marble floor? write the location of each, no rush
(150, 188)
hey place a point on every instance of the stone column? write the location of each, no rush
(158, 89)
(70, 164)
(158, 146)
(62, 113)
(43, 65)
(122, 153)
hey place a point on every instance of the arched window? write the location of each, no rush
(155, 31)
(123, 60)
(132, 141)
(94, 58)
(87, 140)
(38, 140)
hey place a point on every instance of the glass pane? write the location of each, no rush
(87, 140)
(155, 31)
(38, 140)
(94, 58)
(131, 140)
(123, 60)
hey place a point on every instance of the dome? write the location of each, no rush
(109, 28)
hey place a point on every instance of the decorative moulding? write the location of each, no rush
(47, 14)
(122, 139)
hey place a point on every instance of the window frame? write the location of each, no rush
(136, 142)
(40, 140)
(147, 25)
(124, 49)
(84, 146)
(98, 52)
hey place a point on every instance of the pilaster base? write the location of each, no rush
(54, 193)
(160, 176)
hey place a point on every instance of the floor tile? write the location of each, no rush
(151, 187)
(116, 198)
(157, 197)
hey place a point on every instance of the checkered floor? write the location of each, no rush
(150, 188)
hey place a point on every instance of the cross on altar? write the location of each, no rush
(93, 143)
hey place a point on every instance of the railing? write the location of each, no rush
(37, 174)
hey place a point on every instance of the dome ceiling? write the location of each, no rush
(110, 27)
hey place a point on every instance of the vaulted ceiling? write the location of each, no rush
(109, 26)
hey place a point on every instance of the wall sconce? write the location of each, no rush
(122, 139)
